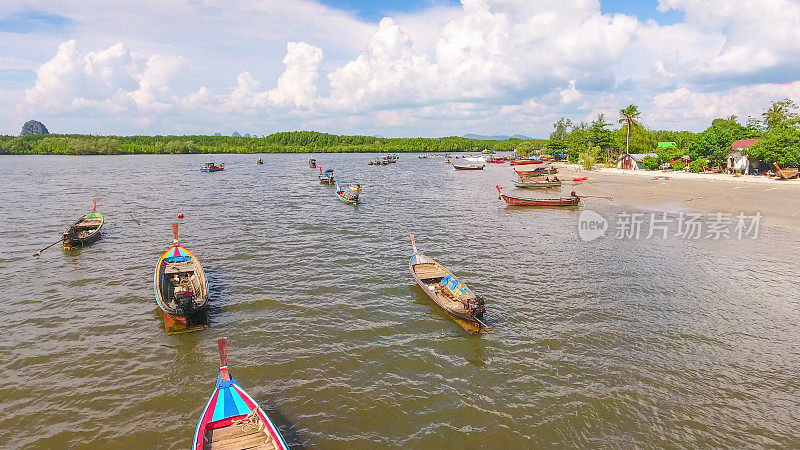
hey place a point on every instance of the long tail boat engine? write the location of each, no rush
(476, 307)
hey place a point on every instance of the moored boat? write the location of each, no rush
(441, 286)
(392, 158)
(572, 200)
(312, 163)
(534, 171)
(523, 162)
(85, 231)
(326, 177)
(495, 159)
(468, 167)
(232, 419)
(786, 173)
(351, 198)
(260, 161)
(211, 167)
(181, 289)
(536, 184)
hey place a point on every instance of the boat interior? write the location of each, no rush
(450, 295)
(247, 433)
(86, 226)
(180, 280)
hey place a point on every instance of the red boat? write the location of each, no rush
(572, 200)
(495, 159)
(469, 167)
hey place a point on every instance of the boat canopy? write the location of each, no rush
(178, 254)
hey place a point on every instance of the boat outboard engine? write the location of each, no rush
(476, 307)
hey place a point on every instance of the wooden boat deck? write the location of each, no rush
(180, 267)
(427, 271)
(233, 437)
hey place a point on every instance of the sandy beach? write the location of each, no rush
(777, 201)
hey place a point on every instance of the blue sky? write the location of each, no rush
(432, 68)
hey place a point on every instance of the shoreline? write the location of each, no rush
(777, 201)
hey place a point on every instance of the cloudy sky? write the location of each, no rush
(390, 68)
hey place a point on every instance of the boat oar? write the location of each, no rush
(40, 251)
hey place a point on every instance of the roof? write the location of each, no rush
(742, 144)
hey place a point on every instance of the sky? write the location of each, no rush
(390, 68)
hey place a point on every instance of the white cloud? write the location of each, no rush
(493, 64)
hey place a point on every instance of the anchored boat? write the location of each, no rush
(572, 200)
(351, 198)
(211, 167)
(312, 163)
(181, 289)
(232, 419)
(326, 177)
(85, 231)
(448, 292)
(536, 184)
(469, 167)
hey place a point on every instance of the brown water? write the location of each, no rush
(602, 344)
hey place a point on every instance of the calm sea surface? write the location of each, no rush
(659, 343)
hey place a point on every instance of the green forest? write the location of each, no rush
(592, 143)
(286, 142)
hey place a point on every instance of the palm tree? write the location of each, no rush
(775, 115)
(629, 116)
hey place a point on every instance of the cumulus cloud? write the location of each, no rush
(494, 63)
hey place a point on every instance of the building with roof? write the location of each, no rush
(633, 161)
(737, 161)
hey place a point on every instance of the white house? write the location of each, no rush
(737, 161)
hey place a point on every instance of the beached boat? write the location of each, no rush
(786, 173)
(351, 198)
(495, 159)
(523, 162)
(85, 231)
(312, 163)
(536, 184)
(534, 171)
(326, 177)
(468, 167)
(181, 289)
(572, 200)
(232, 419)
(448, 292)
(211, 167)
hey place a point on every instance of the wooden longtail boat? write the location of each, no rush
(211, 167)
(495, 159)
(446, 291)
(533, 171)
(786, 173)
(312, 163)
(181, 289)
(326, 177)
(260, 161)
(85, 231)
(392, 158)
(468, 167)
(536, 184)
(354, 187)
(346, 196)
(523, 162)
(572, 200)
(232, 419)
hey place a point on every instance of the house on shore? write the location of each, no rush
(737, 161)
(633, 161)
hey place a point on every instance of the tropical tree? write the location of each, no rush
(780, 113)
(629, 116)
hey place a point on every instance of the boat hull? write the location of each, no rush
(521, 201)
(467, 167)
(212, 170)
(70, 241)
(536, 185)
(189, 317)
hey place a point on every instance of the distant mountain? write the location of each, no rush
(33, 127)
(247, 135)
(236, 134)
(217, 134)
(498, 137)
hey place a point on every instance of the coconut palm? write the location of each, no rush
(629, 116)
